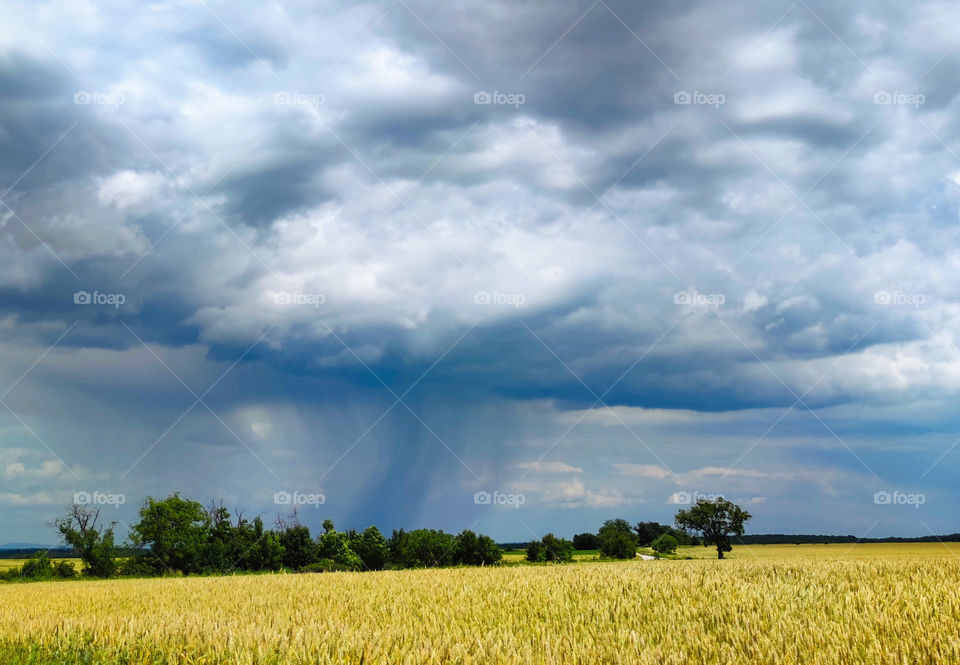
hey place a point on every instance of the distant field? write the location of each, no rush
(12, 563)
(510, 556)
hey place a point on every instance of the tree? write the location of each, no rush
(266, 553)
(175, 531)
(585, 541)
(79, 529)
(647, 532)
(488, 551)
(425, 548)
(298, 548)
(715, 520)
(556, 549)
(665, 544)
(371, 547)
(466, 548)
(335, 545)
(617, 539)
(535, 551)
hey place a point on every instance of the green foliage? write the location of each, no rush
(177, 536)
(715, 520)
(38, 566)
(426, 548)
(324, 566)
(665, 544)
(335, 545)
(78, 528)
(175, 531)
(550, 548)
(298, 546)
(586, 541)
(535, 551)
(371, 547)
(556, 549)
(647, 532)
(64, 569)
(472, 550)
(617, 539)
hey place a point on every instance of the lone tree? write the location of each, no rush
(715, 520)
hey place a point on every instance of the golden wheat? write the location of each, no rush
(839, 607)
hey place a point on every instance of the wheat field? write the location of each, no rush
(808, 604)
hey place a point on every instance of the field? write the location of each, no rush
(767, 604)
(14, 563)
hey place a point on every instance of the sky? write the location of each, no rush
(515, 267)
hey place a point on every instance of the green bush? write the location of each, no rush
(324, 566)
(64, 569)
(665, 544)
(38, 566)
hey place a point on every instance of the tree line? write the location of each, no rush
(176, 535)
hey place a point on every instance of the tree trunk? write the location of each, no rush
(719, 552)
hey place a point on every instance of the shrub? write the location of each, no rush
(665, 544)
(64, 569)
(324, 566)
(38, 566)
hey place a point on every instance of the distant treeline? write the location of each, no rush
(791, 539)
(805, 539)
